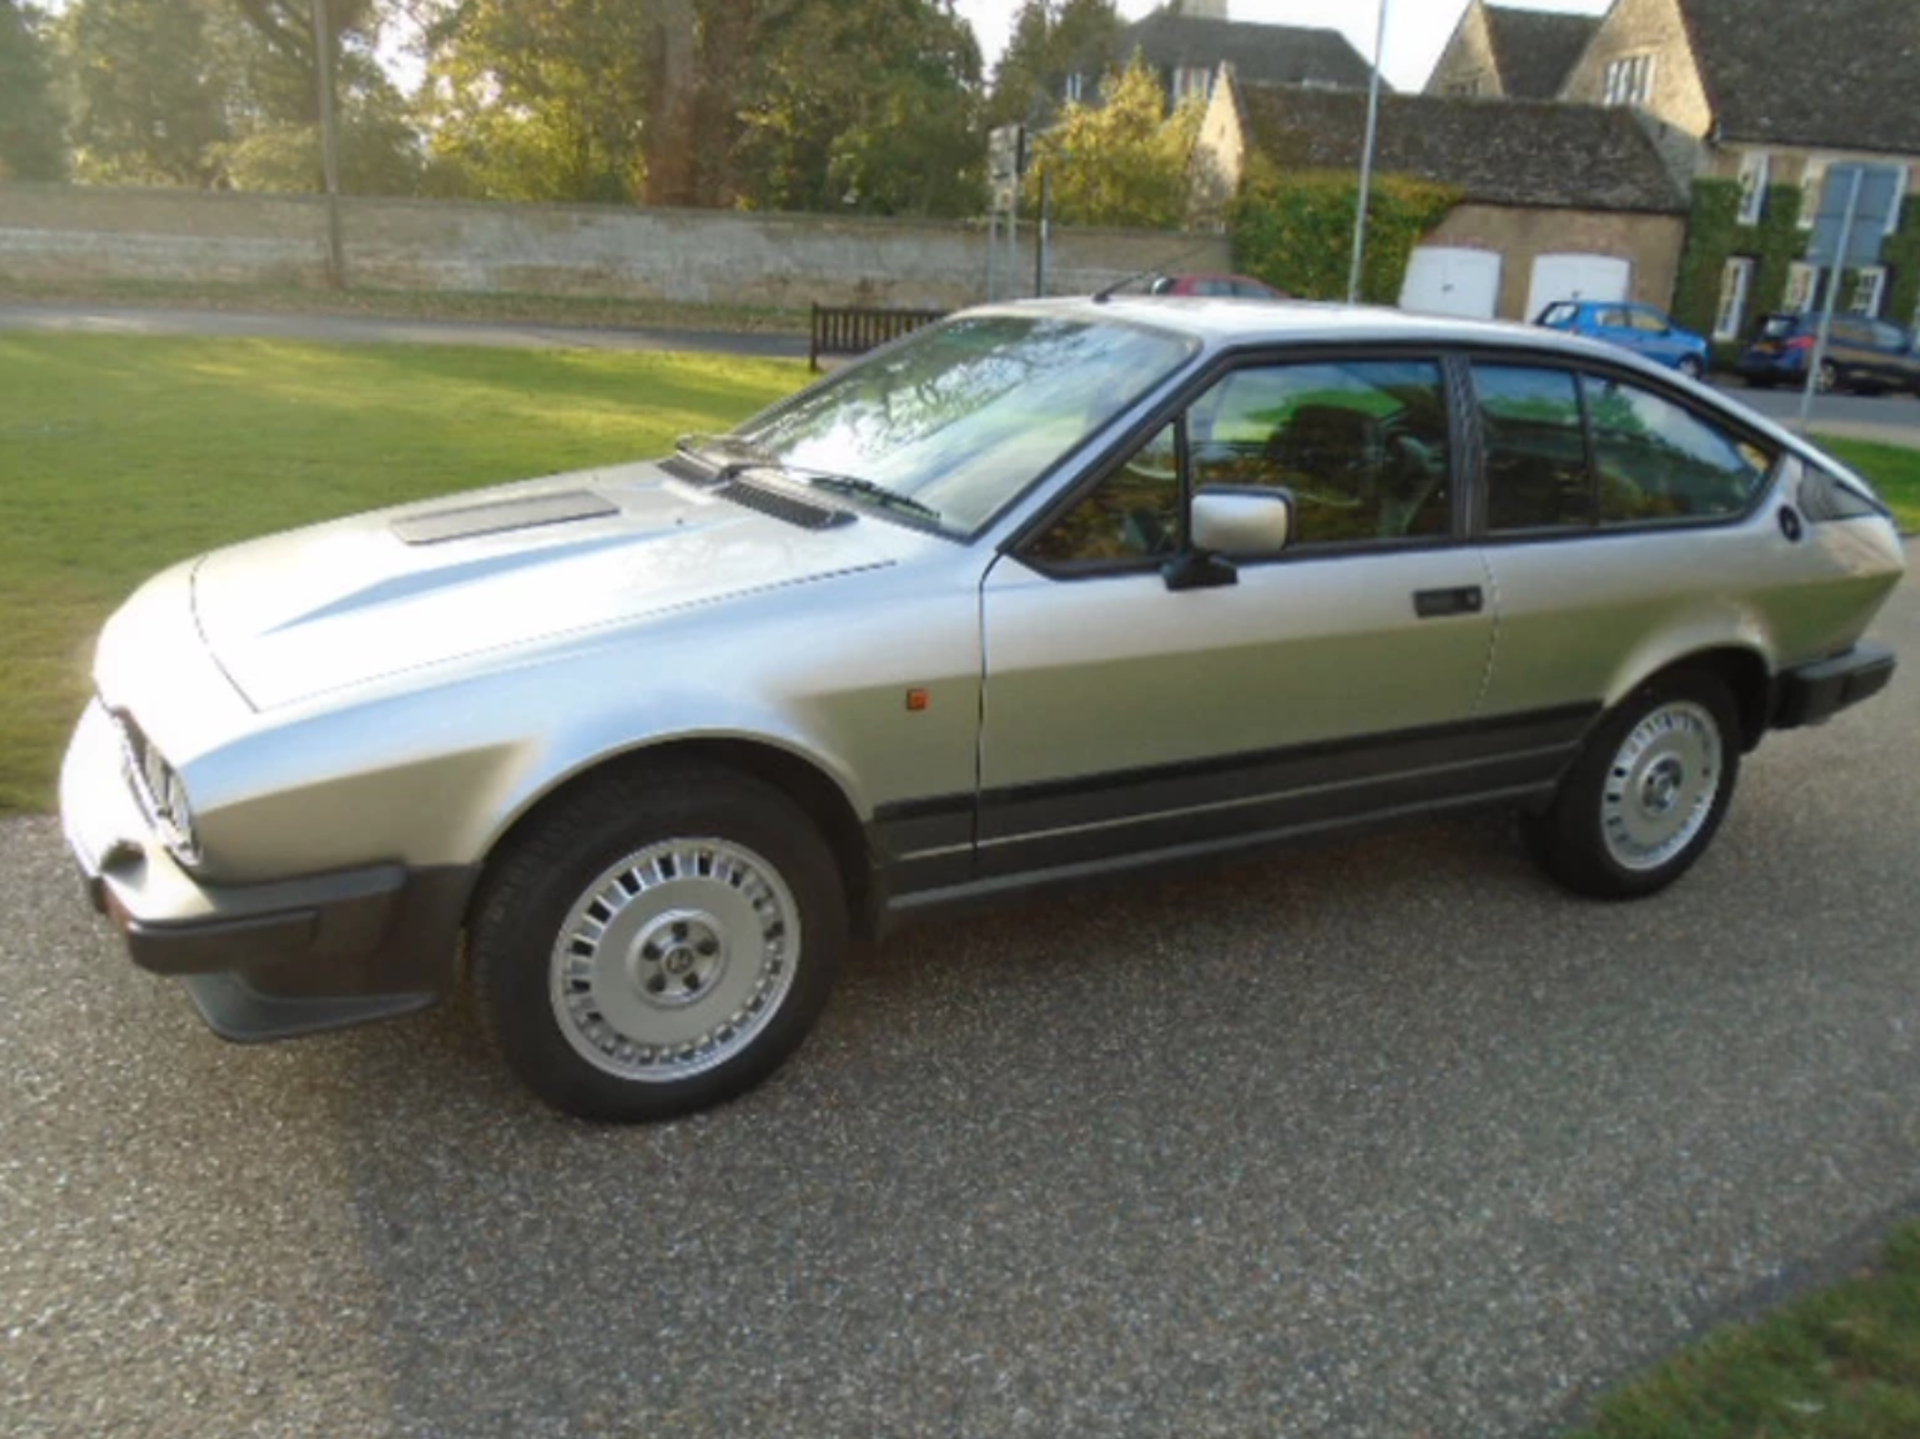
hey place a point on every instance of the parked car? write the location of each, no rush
(1640, 328)
(1235, 287)
(1868, 356)
(1041, 592)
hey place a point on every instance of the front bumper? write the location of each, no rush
(1816, 692)
(261, 961)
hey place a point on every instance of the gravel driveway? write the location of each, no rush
(1384, 1138)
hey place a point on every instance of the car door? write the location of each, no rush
(1611, 524)
(1130, 711)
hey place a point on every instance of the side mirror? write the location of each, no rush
(1242, 522)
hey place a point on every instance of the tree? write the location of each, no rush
(868, 107)
(541, 99)
(151, 89)
(1051, 40)
(1123, 160)
(31, 144)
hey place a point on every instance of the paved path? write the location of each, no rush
(366, 329)
(1886, 419)
(1387, 1138)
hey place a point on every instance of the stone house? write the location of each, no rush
(1769, 95)
(1558, 200)
(1187, 48)
(1498, 52)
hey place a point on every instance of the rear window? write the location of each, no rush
(1779, 327)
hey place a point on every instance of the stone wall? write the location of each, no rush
(51, 232)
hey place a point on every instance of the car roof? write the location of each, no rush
(1235, 322)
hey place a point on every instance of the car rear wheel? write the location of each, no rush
(1691, 367)
(1828, 379)
(658, 944)
(1647, 794)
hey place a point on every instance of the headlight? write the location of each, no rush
(160, 791)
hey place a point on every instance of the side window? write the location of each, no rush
(1362, 445)
(1537, 475)
(1648, 321)
(1658, 461)
(1133, 515)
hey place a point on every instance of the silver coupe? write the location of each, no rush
(1041, 593)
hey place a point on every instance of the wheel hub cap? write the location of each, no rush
(674, 959)
(1662, 786)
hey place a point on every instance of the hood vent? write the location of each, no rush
(471, 521)
(791, 508)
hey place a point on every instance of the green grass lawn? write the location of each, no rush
(1840, 1364)
(1895, 473)
(120, 455)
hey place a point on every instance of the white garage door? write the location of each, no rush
(1577, 277)
(1445, 281)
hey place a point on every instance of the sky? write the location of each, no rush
(1417, 30)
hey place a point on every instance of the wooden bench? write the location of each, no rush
(852, 330)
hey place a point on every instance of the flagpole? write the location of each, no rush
(1366, 158)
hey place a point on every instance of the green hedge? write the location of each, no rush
(1296, 231)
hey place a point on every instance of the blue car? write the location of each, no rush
(1639, 328)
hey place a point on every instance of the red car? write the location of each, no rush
(1239, 287)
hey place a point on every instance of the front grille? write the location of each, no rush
(155, 786)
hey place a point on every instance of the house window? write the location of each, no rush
(1076, 88)
(1811, 179)
(1868, 290)
(1754, 168)
(1464, 89)
(1802, 280)
(1192, 80)
(1736, 280)
(1629, 80)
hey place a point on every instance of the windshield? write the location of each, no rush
(1559, 315)
(963, 416)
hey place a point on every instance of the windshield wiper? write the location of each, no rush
(876, 493)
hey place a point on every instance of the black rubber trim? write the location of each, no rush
(236, 1011)
(1812, 693)
(793, 510)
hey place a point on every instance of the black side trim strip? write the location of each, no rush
(1567, 722)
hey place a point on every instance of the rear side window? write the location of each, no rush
(1536, 449)
(1658, 461)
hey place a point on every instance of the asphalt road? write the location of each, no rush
(1382, 1138)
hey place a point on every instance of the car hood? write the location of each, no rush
(298, 615)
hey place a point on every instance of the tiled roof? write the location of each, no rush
(1535, 49)
(1841, 74)
(1498, 152)
(1264, 54)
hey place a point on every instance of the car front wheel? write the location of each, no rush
(1691, 367)
(657, 944)
(1643, 800)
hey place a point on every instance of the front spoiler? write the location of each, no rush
(261, 961)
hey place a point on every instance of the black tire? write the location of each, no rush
(720, 922)
(1691, 367)
(1606, 833)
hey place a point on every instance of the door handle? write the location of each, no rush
(1433, 604)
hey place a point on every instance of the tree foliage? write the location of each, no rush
(1123, 160)
(1295, 231)
(773, 104)
(31, 144)
(1051, 40)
